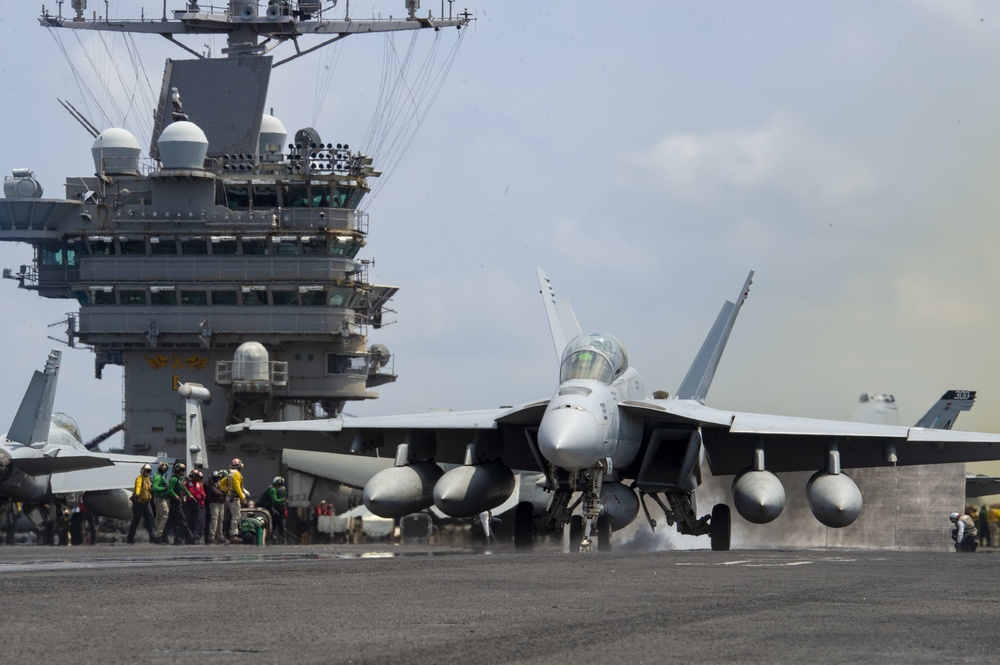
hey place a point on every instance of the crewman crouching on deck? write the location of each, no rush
(965, 532)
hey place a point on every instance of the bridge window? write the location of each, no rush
(254, 246)
(341, 297)
(57, 256)
(265, 196)
(294, 196)
(344, 246)
(224, 297)
(163, 295)
(163, 246)
(254, 295)
(313, 297)
(354, 365)
(194, 246)
(103, 295)
(127, 297)
(314, 246)
(194, 298)
(236, 197)
(285, 246)
(133, 246)
(101, 246)
(224, 245)
(285, 297)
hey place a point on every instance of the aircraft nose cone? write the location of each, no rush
(570, 438)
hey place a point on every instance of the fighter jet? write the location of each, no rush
(43, 461)
(881, 409)
(606, 446)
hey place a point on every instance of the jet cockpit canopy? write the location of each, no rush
(64, 424)
(593, 356)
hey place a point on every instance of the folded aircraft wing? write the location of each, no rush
(801, 444)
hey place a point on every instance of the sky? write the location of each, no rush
(647, 155)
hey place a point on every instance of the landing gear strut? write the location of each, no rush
(681, 512)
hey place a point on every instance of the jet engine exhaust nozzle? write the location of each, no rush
(759, 496)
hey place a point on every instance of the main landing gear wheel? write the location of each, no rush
(524, 526)
(720, 527)
(575, 533)
(603, 533)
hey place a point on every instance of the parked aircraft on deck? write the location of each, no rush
(606, 446)
(44, 464)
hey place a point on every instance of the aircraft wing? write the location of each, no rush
(434, 420)
(449, 432)
(47, 464)
(800, 444)
(116, 472)
(981, 485)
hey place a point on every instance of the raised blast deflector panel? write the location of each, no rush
(225, 98)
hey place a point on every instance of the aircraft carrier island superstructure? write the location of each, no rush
(229, 256)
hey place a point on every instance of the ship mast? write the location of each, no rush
(252, 27)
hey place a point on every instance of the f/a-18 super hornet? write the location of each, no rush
(606, 446)
(45, 466)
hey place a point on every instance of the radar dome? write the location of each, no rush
(272, 135)
(116, 152)
(250, 362)
(182, 146)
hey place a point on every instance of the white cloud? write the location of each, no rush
(781, 156)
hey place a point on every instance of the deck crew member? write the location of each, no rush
(235, 496)
(142, 509)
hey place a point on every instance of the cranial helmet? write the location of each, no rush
(953, 517)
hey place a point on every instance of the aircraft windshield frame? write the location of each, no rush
(593, 357)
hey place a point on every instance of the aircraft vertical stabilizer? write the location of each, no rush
(562, 320)
(944, 412)
(31, 423)
(699, 378)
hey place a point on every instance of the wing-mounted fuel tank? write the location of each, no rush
(481, 484)
(114, 504)
(758, 495)
(405, 488)
(834, 499)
